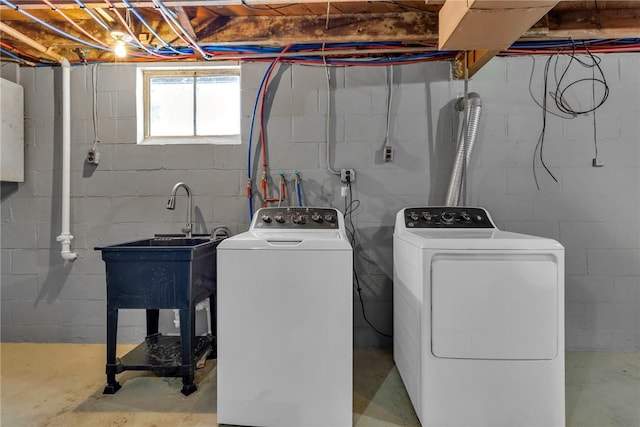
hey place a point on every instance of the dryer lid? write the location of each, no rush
(475, 240)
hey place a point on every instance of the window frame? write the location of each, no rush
(144, 105)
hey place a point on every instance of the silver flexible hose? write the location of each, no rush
(466, 142)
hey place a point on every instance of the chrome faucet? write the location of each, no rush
(171, 205)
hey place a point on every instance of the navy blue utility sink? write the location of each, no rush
(163, 272)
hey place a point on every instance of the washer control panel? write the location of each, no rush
(447, 217)
(296, 218)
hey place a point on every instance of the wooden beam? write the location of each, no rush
(585, 24)
(475, 59)
(487, 24)
(206, 21)
(402, 27)
(184, 20)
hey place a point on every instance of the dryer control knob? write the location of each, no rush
(316, 217)
(297, 219)
(414, 216)
(279, 218)
(329, 218)
(427, 216)
(266, 218)
(447, 217)
(465, 216)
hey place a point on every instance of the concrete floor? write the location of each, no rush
(61, 385)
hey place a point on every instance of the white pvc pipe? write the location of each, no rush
(65, 236)
(202, 305)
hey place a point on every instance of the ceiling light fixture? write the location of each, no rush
(121, 38)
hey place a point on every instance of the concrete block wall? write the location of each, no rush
(594, 212)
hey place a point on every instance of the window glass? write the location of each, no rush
(191, 106)
(171, 106)
(217, 105)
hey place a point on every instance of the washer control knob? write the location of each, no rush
(329, 217)
(316, 217)
(414, 216)
(279, 218)
(427, 216)
(447, 217)
(266, 218)
(296, 218)
(465, 217)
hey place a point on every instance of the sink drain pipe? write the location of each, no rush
(65, 236)
(202, 305)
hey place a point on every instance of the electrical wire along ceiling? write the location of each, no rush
(39, 32)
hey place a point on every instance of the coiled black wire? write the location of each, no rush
(562, 104)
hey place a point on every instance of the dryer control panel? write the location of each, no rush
(298, 218)
(447, 217)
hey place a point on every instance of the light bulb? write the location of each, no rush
(120, 49)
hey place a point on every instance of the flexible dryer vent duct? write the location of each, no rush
(467, 140)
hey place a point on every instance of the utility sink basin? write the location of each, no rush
(164, 241)
(163, 272)
(160, 272)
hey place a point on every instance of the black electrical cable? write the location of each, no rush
(350, 206)
(595, 132)
(561, 102)
(540, 145)
(559, 97)
(533, 97)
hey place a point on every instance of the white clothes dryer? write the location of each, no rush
(478, 320)
(285, 321)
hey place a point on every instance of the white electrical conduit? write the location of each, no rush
(65, 236)
(468, 135)
(327, 129)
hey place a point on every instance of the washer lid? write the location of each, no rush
(287, 240)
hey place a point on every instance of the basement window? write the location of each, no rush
(190, 106)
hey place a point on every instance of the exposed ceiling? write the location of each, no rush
(214, 29)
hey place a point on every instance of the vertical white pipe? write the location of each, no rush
(65, 236)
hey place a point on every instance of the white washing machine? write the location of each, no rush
(478, 320)
(285, 322)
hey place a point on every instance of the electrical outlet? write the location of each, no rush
(93, 157)
(347, 175)
(597, 163)
(388, 154)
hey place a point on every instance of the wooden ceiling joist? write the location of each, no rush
(607, 23)
(481, 27)
(407, 27)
